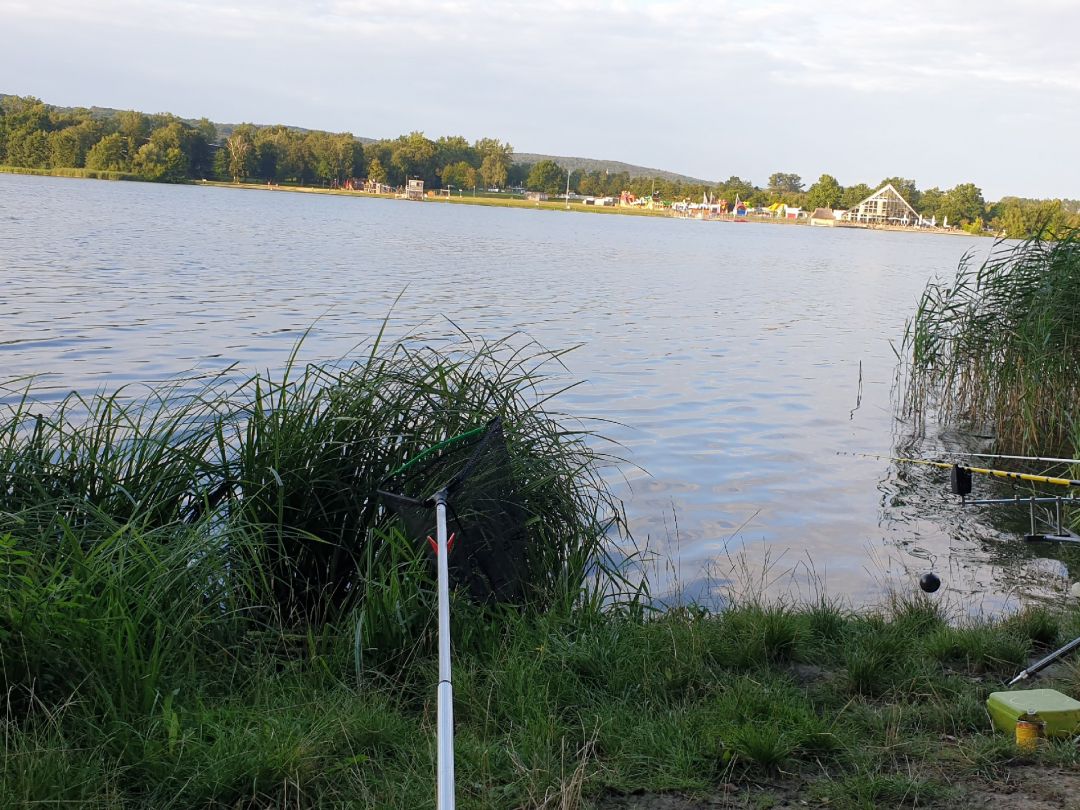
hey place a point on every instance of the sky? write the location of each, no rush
(942, 92)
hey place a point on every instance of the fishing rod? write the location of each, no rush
(1016, 458)
(1037, 479)
(1038, 667)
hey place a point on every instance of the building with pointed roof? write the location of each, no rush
(885, 207)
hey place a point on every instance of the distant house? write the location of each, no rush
(602, 201)
(536, 196)
(885, 207)
(823, 217)
(414, 190)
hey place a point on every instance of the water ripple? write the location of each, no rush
(728, 359)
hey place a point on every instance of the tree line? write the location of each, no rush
(963, 205)
(166, 148)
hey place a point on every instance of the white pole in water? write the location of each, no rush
(444, 796)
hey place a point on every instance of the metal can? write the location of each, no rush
(1030, 730)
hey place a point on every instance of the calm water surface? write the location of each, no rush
(739, 361)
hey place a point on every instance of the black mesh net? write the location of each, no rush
(483, 511)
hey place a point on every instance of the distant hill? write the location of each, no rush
(223, 130)
(613, 166)
(572, 163)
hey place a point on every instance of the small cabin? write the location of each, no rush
(823, 217)
(414, 190)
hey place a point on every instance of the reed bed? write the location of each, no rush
(998, 348)
(165, 533)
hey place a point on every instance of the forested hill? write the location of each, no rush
(223, 130)
(522, 158)
(587, 165)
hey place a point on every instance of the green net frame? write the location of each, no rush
(473, 474)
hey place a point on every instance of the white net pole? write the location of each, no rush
(444, 796)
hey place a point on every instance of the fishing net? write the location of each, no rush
(484, 513)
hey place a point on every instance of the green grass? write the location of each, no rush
(565, 706)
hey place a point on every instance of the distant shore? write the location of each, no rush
(556, 204)
(485, 199)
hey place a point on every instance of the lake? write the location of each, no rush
(737, 363)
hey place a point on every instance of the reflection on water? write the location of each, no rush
(735, 362)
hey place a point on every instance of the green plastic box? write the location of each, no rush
(1060, 712)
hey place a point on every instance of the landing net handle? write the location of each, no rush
(444, 794)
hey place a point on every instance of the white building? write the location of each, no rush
(885, 207)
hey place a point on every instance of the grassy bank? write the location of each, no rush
(489, 200)
(757, 706)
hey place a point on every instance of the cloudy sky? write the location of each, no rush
(944, 92)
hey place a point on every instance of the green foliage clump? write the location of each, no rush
(141, 540)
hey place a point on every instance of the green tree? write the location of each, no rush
(486, 147)
(376, 171)
(459, 175)
(65, 149)
(241, 150)
(517, 173)
(825, 193)
(735, 187)
(495, 160)
(200, 152)
(110, 154)
(494, 171)
(165, 156)
(785, 183)
(133, 125)
(546, 176)
(295, 161)
(267, 152)
(963, 204)
(413, 155)
(1018, 218)
(453, 149)
(28, 147)
(25, 111)
(930, 203)
(379, 151)
(220, 164)
(853, 195)
(157, 162)
(905, 188)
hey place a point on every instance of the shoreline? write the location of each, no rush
(510, 202)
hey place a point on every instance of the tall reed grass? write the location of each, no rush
(144, 540)
(999, 346)
(93, 174)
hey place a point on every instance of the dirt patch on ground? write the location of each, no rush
(776, 796)
(1028, 787)
(1032, 788)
